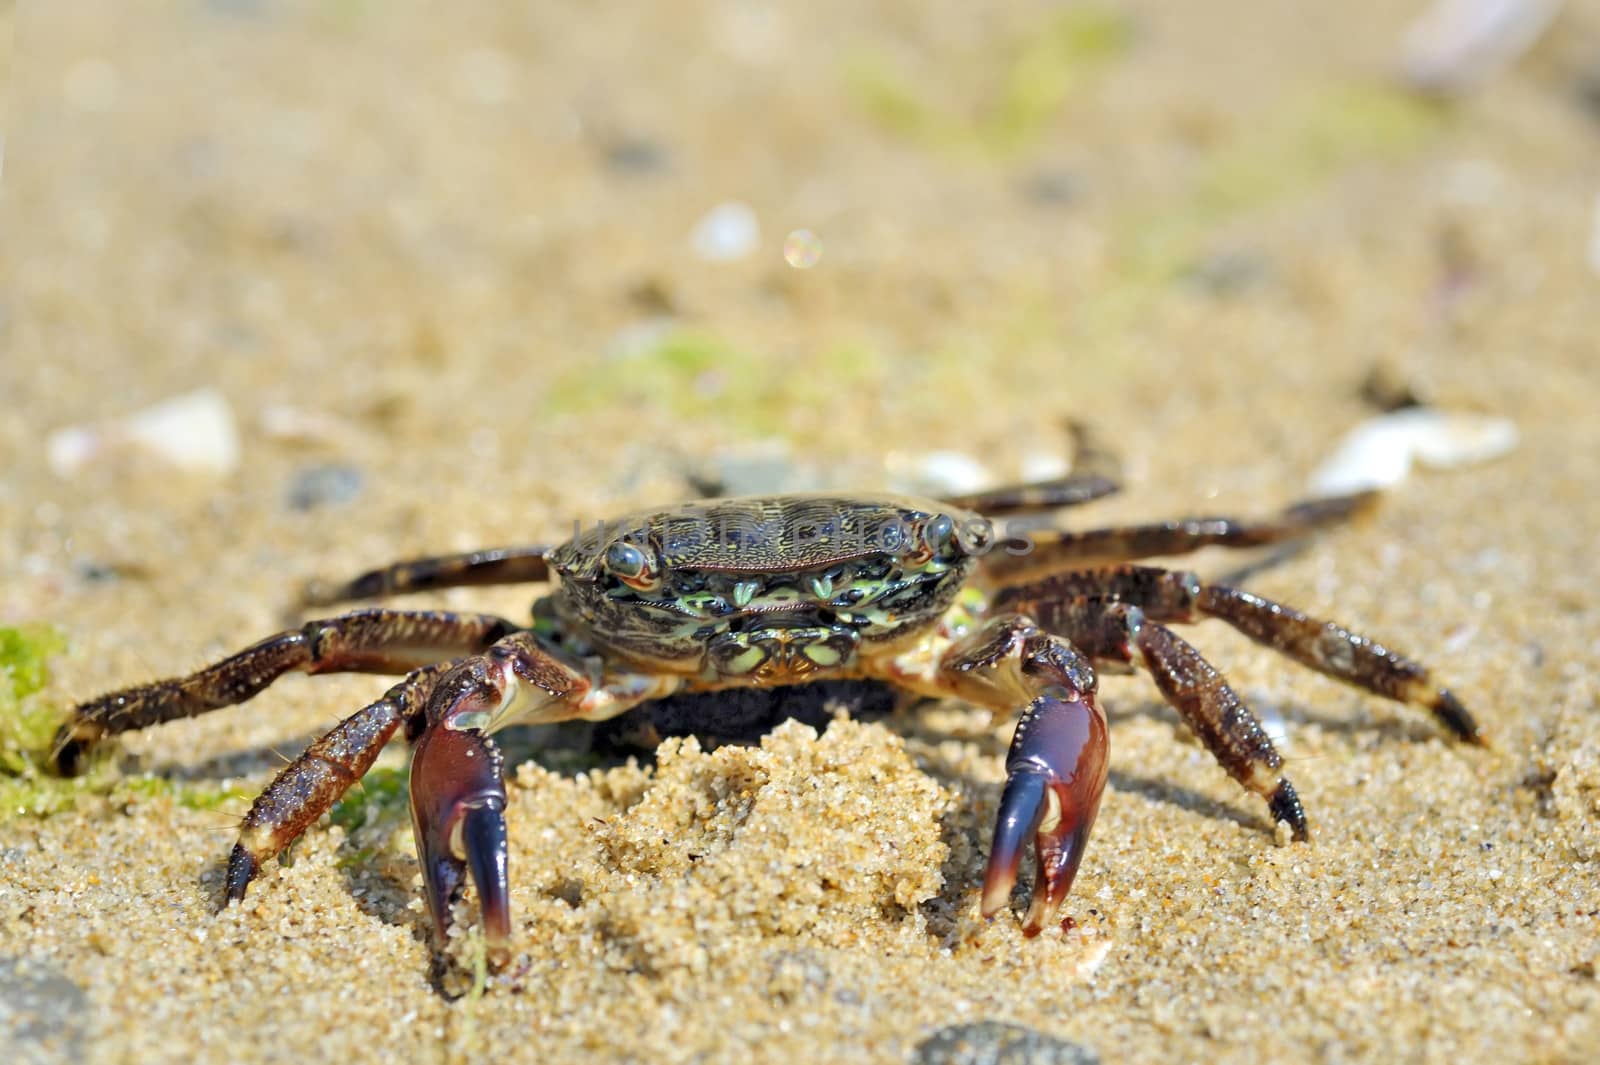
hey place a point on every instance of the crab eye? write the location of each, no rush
(937, 533)
(629, 564)
(929, 540)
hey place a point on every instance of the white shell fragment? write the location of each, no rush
(1378, 453)
(194, 432)
(1456, 45)
(727, 232)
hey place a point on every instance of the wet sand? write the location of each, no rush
(445, 259)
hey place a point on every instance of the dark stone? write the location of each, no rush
(653, 296)
(1053, 188)
(636, 156)
(998, 1043)
(322, 486)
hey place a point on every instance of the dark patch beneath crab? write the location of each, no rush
(741, 715)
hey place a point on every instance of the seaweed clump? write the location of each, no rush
(28, 721)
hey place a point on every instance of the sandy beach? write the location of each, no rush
(439, 281)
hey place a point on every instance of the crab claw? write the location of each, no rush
(458, 803)
(1054, 776)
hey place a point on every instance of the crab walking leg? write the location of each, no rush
(1056, 768)
(458, 797)
(310, 785)
(1069, 491)
(1051, 550)
(498, 565)
(1118, 632)
(1096, 472)
(1328, 648)
(364, 641)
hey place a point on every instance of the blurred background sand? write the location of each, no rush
(450, 277)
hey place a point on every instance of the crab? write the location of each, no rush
(762, 592)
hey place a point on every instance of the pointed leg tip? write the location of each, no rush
(1328, 510)
(1458, 719)
(1284, 803)
(242, 868)
(67, 757)
(69, 750)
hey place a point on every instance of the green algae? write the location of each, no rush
(28, 723)
(380, 797)
(1036, 78)
(189, 794)
(1053, 65)
(1297, 147)
(697, 376)
(1290, 151)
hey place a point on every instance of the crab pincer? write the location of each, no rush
(458, 803)
(1055, 773)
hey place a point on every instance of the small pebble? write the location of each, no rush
(653, 296)
(1054, 188)
(1378, 453)
(635, 157)
(96, 571)
(324, 485)
(728, 232)
(998, 1043)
